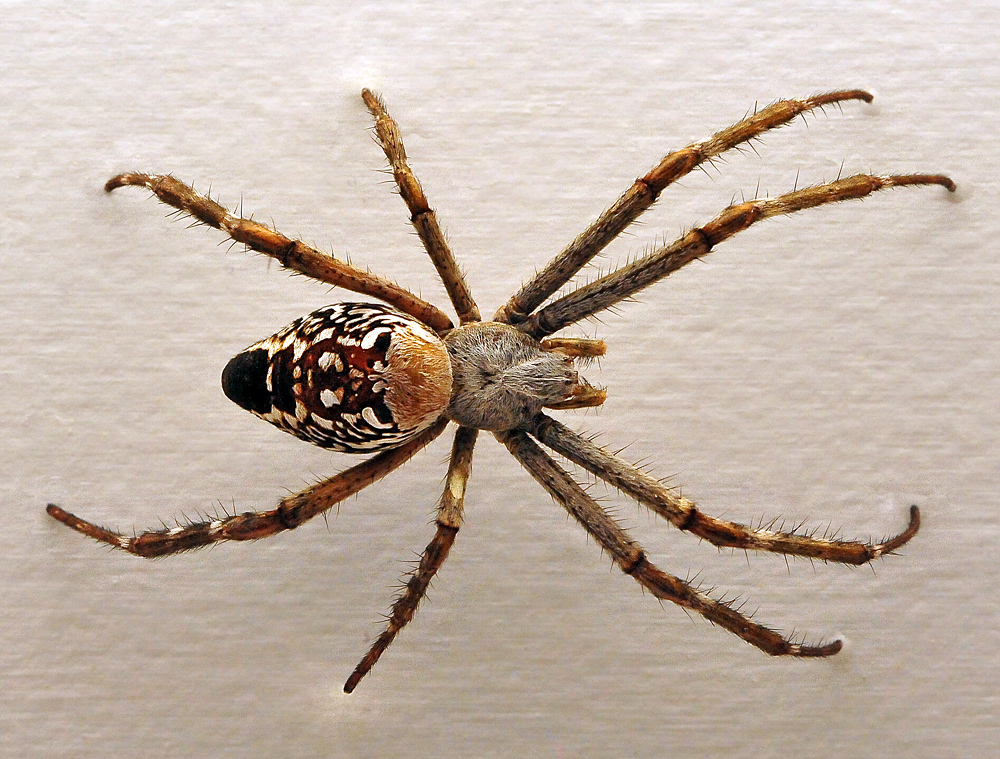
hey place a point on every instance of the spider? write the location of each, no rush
(388, 379)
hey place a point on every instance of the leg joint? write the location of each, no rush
(636, 563)
(704, 239)
(450, 530)
(687, 520)
(288, 517)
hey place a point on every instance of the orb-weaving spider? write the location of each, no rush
(363, 377)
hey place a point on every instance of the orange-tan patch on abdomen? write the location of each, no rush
(418, 377)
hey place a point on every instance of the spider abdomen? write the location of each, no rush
(354, 377)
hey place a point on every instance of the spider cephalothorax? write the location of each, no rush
(369, 378)
(504, 377)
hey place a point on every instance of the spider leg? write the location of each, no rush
(292, 254)
(647, 189)
(290, 513)
(631, 559)
(625, 282)
(685, 515)
(422, 216)
(449, 519)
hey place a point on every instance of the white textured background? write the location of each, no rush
(834, 367)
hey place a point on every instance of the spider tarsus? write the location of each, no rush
(61, 515)
(71, 520)
(827, 649)
(840, 96)
(900, 540)
(121, 180)
(356, 676)
(101, 534)
(923, 179)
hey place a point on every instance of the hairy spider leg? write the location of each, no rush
(423, 218)
(686, 516)
(644, 192)
(631, 559)
(625, 282)
(449, 520)
(290, 513)
(292, 254)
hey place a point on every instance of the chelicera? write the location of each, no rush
(388, 378)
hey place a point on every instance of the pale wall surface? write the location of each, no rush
(834, 367)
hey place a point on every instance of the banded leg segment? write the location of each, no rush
(292, 254)
(421, 215)
(449, 520)
(686, 516)
(647, 189)
(290, 513)
(631, 559)
(625, 282)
